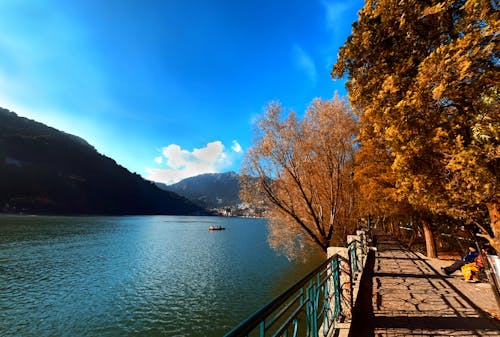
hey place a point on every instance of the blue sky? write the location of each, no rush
(169, 89)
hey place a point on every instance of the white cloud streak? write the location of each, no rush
(236, 147)
(181, 163)
(305, 62)
(337, 18)
(335, 14)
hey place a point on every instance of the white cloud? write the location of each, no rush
(181, 164)
(337, 23)
(159, 159)
(236, 147)
(335, 14)
(305, 62)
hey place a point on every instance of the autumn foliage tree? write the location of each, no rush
(302, 170)
(424, 77)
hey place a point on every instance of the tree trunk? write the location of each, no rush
(494, 212)
(430, 244)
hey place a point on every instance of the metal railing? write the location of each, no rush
(315, 304)
(357, 252)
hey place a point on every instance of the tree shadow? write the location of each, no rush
(365, 322)
(434, 323)
(362, 323)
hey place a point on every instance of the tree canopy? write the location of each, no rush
(304, 174)
(423, 77)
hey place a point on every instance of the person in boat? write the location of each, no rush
(215, 228)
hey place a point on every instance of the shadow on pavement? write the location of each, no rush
(411, 298)
(362, 316)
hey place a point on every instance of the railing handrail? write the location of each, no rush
(265, 317)
(249, 324)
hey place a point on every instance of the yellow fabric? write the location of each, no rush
(469, 271)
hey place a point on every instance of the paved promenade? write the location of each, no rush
(402, 294)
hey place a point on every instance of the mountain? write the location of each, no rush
(209, 190)
(44, 170)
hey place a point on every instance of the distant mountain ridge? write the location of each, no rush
(44, 170)
(211, 190)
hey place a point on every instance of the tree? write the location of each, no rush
(424, 76)
(378, 192)
(303, 169)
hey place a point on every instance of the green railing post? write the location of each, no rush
(313, 303)
(352, 265)
(262, 329)
(336, 287)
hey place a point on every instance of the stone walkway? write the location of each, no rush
(402, 294)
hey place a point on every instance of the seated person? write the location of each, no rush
(470, 270)
(469, 257)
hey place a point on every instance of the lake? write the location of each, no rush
(136, 275)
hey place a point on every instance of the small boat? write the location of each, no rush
(216, 228)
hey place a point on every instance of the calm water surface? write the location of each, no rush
(135, 276)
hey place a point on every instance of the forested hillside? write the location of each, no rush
(44, 170)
